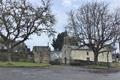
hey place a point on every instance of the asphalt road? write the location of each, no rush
(56, 73)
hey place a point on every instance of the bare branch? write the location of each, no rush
(95, 26)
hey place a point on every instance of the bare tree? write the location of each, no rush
(19, 19)
(95, 26)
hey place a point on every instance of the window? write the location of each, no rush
(87, 53)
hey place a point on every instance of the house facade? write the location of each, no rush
(73, 53)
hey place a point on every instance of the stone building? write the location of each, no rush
(41, 54)
(74, 53)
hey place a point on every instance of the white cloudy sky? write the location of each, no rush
(60, 8)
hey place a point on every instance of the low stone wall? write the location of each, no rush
(15, 56)
(83, 63)
(80, 62)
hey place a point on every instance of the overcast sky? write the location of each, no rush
(60, 8)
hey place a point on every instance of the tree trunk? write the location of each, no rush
(95, 58)
(108, 64)
(9, 57)
(9, 50)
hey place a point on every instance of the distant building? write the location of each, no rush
(41, 54)
(116, 52)
(55, 57)
(19, 48)
(116, 57)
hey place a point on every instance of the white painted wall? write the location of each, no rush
(82, 55)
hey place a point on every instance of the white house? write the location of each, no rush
(74, 53)
(71, 52)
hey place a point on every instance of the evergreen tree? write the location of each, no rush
(59, 41)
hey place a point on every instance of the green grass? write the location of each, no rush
(23, 64)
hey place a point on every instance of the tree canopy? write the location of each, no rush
(95, 26)
(59, 41)
(19, 19)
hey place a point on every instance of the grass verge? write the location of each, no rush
(23, 65)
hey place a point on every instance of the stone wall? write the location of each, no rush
(15, 56)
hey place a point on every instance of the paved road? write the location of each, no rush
(55, 73)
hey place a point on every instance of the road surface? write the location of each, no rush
(56, 73)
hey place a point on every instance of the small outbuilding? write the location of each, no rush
(41, 54)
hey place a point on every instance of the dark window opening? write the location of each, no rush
(88, 59)
(87, 53)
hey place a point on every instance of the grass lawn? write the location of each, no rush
(23, 64)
